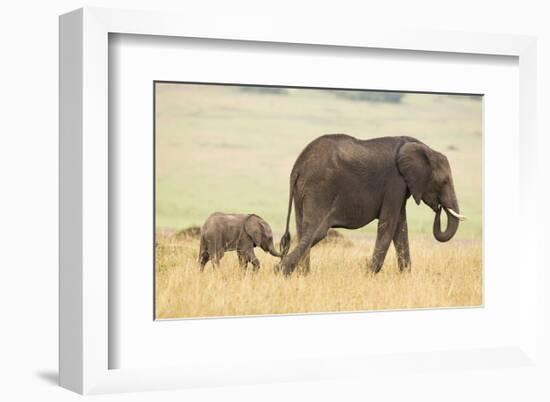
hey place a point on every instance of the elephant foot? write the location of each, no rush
(405, 268)
(285, 267)
(374, 267)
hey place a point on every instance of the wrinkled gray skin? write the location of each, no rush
(339, 181)
(235, 232)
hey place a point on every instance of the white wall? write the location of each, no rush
(28, 159)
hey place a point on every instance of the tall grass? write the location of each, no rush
(443, 275)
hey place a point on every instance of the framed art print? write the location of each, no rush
(265, 206)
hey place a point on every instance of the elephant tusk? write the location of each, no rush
(456, 215)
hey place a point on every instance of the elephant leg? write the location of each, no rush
(253, 260)
(243, 260)
(203, 259)
(387, 224)
(203, 254)
(401, 241)
(312, 233)
(215, 250)
(305, 263)
(384, 236)
(218, 255)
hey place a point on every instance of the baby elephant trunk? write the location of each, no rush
(272, 250)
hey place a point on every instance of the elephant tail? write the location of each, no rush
(285, 240)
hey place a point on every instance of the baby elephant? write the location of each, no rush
(229, 232)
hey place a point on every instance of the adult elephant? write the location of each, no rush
(339, 181)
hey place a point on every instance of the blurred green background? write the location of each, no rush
(231, 148)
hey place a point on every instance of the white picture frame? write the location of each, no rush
(84, 204)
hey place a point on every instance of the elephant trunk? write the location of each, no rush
(453, 218)
(272, 251)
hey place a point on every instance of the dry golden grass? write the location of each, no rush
(443, 275)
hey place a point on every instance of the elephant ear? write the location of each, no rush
(413, 161)
(254, 229)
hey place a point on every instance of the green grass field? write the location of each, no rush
(222, 148)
